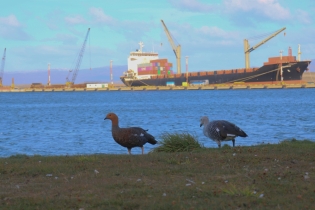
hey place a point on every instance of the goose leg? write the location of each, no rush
(142, 150)
(233, 140)
(219, 143)
(129, 151)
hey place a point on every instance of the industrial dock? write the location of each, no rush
(237, 86)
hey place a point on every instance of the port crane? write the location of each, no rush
(176, 49)
(2, 67)
(247, 48)
(78, 63)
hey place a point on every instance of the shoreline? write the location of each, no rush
(157, 88)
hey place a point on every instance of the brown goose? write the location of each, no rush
(129, 137)
(220, 130)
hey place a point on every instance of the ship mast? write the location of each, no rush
(247, 48)
(299, 53)
(2, 67)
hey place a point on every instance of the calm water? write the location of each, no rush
(60, 123)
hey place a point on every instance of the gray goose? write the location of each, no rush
(129, 137)
(221, 130)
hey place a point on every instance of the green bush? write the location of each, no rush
(178, 142)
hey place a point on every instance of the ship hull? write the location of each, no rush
(266, 73)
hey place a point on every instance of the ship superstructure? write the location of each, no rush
(137, 58)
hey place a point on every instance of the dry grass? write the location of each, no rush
(257, 177)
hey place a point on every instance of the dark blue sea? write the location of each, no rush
(72, 123)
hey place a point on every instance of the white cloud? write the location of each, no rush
(11, 20)
(303, 16)
(75, 19)
(65, 39)
(192, 5)
(268, 8)
(214, 32)
(11, 28)
(100, 16)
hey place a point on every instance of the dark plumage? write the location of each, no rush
(221, 130)
(129, 137)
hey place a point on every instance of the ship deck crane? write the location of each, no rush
(176, 49)
(247, 48)
(78, 63)
(2, 66)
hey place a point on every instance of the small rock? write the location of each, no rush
(202, 182)
(226, 181)
(306, 176)
(164, 194)
(138, 180)
(279, 178)
(48, 174)
(56, 177)
(96, 171)
(17, 186)
(234, 154)
(188, 184)
(190, 181)
(261, 195)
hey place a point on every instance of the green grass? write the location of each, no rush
(268, 176)
(178, 142)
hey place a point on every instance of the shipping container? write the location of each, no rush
(185, 84)
(199, 82)
(170, 83)
(105, 85)
(159, 60)
(194, 74)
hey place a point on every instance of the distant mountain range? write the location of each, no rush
(57, 76)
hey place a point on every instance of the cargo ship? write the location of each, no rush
(146, 69)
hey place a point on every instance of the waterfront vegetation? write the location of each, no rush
(267, 176)
(178, 142)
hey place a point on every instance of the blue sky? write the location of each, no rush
(211, 33)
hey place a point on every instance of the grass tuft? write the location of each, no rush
(233, 190)
(178, 142)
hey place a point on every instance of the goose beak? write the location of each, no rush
(105, 118)
(201, 124)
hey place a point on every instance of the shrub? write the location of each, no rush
(178, 142)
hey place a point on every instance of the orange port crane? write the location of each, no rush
(2, 67)
(78, 63)
(176, 49)
(247, 48)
